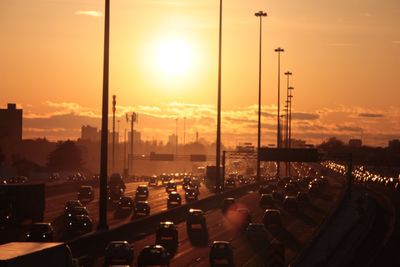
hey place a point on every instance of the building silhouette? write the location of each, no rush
(10, 125)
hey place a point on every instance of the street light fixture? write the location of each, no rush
(278, 142)
(288, 74)
(259, 14)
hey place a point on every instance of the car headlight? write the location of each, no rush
(70, 223)
(84, 224)
(28, 235)
(44, 236)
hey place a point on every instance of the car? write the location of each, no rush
(230, 183)
(266, 201)
(191, 194)
(55, 176)
(264, 189)
(302, 197)
(244, 180)
(40, 232)
(141, 209)
(6, 214)
(290, 203)
(118, 253)
(196, 227)
(221, 254)
(290, 189)
(79, 224)
(256, 233)
(167, 236)
(125, 206)
(153, 181)
(228, 203)
(142, 192)
(86, 193)
(170, 186)
(185, 182)
(174, 200)
(277, 196)
(78, 210)
(154, 255)
(272, 218)
(243, 218)
(71, 204)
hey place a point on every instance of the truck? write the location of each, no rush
(116, 187)
(20, 202)
(211, 178)
(48, 254)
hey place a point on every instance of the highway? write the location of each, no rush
(297, 230)
(157, 201)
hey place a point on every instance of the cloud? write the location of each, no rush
(91, 13)
(371, 115)
(348, 128)
(304, 116)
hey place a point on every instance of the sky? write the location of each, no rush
(344, 56)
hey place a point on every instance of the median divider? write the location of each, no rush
(94, 244)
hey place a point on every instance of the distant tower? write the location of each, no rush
(197, 137)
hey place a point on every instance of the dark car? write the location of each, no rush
(228, 203)
(79, 224)
(141, 209)
(290, 203)
(86, 193)
(266, 201)
(230, 183)
(170, 186)
(78, 210)
(142, 192)
(302, 197)
(272, 218)
(277, 196)
(6, 213)
(153, 181)
(118, 253)
(221, 254)
(125, 206)
(167, 236)
(154, 255)
(191, 194)
(174, 200)
(264, 189)
(71, 204)
(256, 233)
(290, 189)
(185, 182)
(40, 232)
(196, 227)
(115, 193)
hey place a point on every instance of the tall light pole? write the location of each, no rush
(218, 144)
(288, 74)
(259, 14)
(132, 120)
(290, 115)
(114, 103)
(278, 142)
(176, 137)
(104, 124)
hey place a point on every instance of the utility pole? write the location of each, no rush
(278, 134)
(104, 124)
(124, 171)
(218, 143)
(132, 119)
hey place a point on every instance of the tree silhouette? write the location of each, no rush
(66, 157)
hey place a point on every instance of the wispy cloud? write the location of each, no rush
(371, 115)
(92, 13)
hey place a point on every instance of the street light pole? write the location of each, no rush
(288, 74)
(114, 103)
(104, 124)
(290, 115)
(278, 142)
(218, 144)
(259, 14)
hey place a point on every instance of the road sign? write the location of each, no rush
(289, 154)
(161, 157)
(198, 157)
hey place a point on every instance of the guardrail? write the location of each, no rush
(93, 244)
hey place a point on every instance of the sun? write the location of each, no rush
(174, 57)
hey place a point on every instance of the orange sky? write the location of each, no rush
(344, 56)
